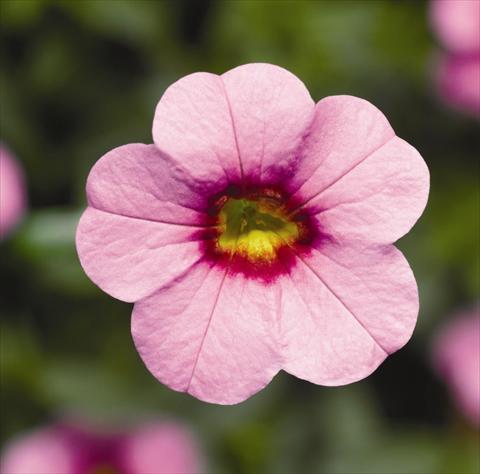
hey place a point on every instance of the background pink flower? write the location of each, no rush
(314, 288)
(154, 448)
(160, 449)
(457, 359)
(45, 451)
(12, 192)
(459, 80)
(457, 24)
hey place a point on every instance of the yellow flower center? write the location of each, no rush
(255, 228)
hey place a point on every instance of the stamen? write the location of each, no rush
(255, 227)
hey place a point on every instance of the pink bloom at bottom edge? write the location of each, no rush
(458, 78)
(456, 354)
(154, 448)
(256, 234)
(12, 192)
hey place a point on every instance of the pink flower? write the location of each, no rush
(158, 448)
(459, 81)
(12, 192)
(457, 24)
(457, 358)
(255, 234)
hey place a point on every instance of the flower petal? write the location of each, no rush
(345, 310)
(456, 352)
(458, 78)
(345, 131)
(271, 111)
(456, 23)
(160, 448)
(137, 180)
(130, 258)
(39, 452)
(12, 192)
(193, 127)
(377, 201)
(209, 334)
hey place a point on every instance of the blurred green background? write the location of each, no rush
(79, 78)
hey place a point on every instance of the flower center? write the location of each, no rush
(104, 469)
(255, 228)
